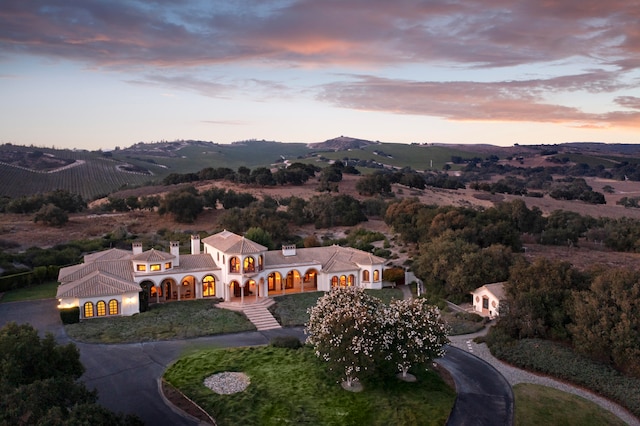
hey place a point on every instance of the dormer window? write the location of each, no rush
(155, 267)
(167, 265)
(141, 268)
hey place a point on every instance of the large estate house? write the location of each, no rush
(224, 265)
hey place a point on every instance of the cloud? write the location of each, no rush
(475, 101)
(481, 33)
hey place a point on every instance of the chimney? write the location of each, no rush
(195, 244)
(175, 250)
(136, 248)
(289, 250)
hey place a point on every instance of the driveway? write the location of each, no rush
(126, 376)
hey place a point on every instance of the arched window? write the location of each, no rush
(334, 281)
(260, 263)
(376, 275)
(274, 280)
(234, 265)
(365, 275)
(351, 281)
(343, 281)
(208, 286)
(88, 310)
(249, 264)
(113, 307)
(101, 308)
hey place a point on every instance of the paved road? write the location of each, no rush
(484, 395)
(126, 375)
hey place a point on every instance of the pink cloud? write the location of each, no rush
(489, 33)
(473, 101)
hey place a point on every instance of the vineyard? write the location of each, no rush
(88, 174)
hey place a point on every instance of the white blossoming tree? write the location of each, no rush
(418, 333)
(347, 328)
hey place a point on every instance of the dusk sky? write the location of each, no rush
(99, 74)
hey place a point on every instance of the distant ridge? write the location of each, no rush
(342, 143)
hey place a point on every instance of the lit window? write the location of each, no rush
(249, 265)
(234, 265)
(351, 280)
(101, 308)
(141, 268)
(167, 265)
(334, 281)
(113, 307)
(343, 281)
(208, 286)
(155, 267)
(88, 310)
(365, 275)
(376, 275)
(260, 263)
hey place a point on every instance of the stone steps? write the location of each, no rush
(256, 312)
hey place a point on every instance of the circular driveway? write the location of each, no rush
(127, 376)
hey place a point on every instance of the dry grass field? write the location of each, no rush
(22, 230)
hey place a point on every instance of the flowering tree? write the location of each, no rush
(418, 333)
(347, 328)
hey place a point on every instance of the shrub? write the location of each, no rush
(287, 342)
(70, 315)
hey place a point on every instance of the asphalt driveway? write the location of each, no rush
(126, 376)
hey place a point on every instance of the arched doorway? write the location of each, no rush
(209, 286)
(310, 280)
(146, 295)
(168, 286)
(274, 281)
(187, 288)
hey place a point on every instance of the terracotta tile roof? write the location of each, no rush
(96, 284)
(111, 254)
(331, 258)
(196, 262)
(231, 243)
(118, 268)
(153, 255)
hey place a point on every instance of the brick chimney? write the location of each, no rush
(136, 248)
(175, 250)
(195, 244)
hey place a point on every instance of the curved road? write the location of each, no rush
(127, 375)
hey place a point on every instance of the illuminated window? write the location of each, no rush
(334, 281)
(141, 268)
(101, 308)
(234, 265)
(208, 286)
(365, 275)
(376, 275)
(343, 281)
(260, 263)
(249, 265)
(155, 267)
(88, 310)
(155, 291)
(274, 280)
(167, 265)
(113, 307)
(351, 281)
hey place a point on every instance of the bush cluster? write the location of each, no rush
(560, 361)
(286, 342)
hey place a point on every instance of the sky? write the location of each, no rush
(99, 74)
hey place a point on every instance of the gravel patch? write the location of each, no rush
(515, 375)
(227, 383)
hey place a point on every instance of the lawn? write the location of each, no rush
(541, 405)
(291, 309)
(177, 320)
(34, 292)
(292, 387)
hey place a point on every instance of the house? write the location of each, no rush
(224, 265)
(486, 299)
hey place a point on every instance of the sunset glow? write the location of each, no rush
(99, 74)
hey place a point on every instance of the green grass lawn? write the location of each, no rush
(292, 387)
(34, 292)
(177, 320)
(541, 405)
(291, 309)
